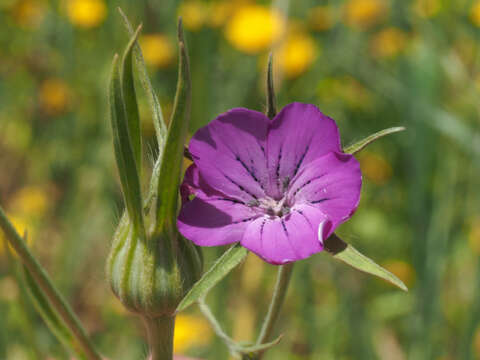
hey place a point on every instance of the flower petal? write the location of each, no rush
(194, 184)
(331, 183)
(298, 135)
(212, 221)
(230, 153)
(290, 238)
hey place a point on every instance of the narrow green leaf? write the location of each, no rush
(253, 349)
(271, 101)
(340, 250)
(158, 121)
(130, 98)
(171, 167)
(48, 314)
(124, 155)
(359, 145)
(222, 267)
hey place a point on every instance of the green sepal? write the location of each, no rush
(130, 98)
(172, 158)
(151, 276)
(124, 154)
(271, 100)
(340, 250)
(222, 267)
(157, 114)
(48, 313)
(251, 351)
(359, 145)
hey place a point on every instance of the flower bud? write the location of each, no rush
(151, 275)
(151, 266)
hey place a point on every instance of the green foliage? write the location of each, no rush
(349, 255)
(419, 212)
(221, 268)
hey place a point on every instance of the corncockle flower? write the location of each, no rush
(280, 187)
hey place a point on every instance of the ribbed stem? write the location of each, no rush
(281, 287)
(160, 337)
(46, 285)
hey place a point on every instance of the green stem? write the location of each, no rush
(281, 287)
(217, 328)
(160, 337)
(43, 280)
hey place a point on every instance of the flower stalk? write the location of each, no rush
(160, 336)
(46, 285)
(284, 271)
(278, 298)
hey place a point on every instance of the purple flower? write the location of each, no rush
(279, 187)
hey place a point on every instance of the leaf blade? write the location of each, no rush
(130, 98)
(152, 98)
(172, 157)
(124, 155)
(360, 145)
(342, 251)
(222, 267)
(47, 313)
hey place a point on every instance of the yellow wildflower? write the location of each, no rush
(375, 167)
(86, 13)
(219, 13)
(388, 43)
(54, 96)
(190, 331)
(30, 201)
(194, 14)
(254, 28)
(403, 270)
(20, 225)
(29, 13)
(427, 8)
(157, 49)
(296, 54)
(475, 13)
(321, 18)
(365, 13)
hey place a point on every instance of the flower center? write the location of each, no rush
(274, 207)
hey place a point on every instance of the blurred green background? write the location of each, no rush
(369, 64)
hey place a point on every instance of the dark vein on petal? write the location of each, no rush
(307, 183)
(261, 233)
(277, 168)
(306, 219)
(301, 160)
(250, 171)
(231, 200)
(244, 220)
(284, 227)
(319, 201)
(240, 187)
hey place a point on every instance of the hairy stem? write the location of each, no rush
(281, 287)
(160, 337)
(46, 285)
(217, 328)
